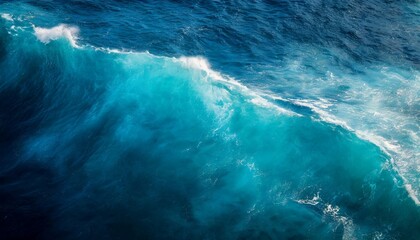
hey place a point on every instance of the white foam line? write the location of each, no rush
(202, 64)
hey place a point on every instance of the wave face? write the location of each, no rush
(97, 143)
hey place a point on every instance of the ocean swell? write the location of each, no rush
(104, 144)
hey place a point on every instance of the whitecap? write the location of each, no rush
(47, 35)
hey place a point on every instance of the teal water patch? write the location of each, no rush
(104, 144)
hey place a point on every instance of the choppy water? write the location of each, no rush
(209, 119)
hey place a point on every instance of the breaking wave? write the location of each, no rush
(101, 143)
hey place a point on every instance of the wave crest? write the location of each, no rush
(47, 35)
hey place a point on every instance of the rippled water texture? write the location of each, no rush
(209, 120)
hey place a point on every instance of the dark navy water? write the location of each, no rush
(209, 119)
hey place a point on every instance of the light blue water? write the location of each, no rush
(244, 120)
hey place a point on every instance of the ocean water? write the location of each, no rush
(209, 119)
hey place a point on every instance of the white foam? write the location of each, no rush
(7, 16)
(201, 63)
(319, 107)
(413, 194)
(314, 201)
(333, 212)
(47, 35)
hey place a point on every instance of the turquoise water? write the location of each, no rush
(100, 143)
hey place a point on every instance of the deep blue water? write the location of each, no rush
(209, 119)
